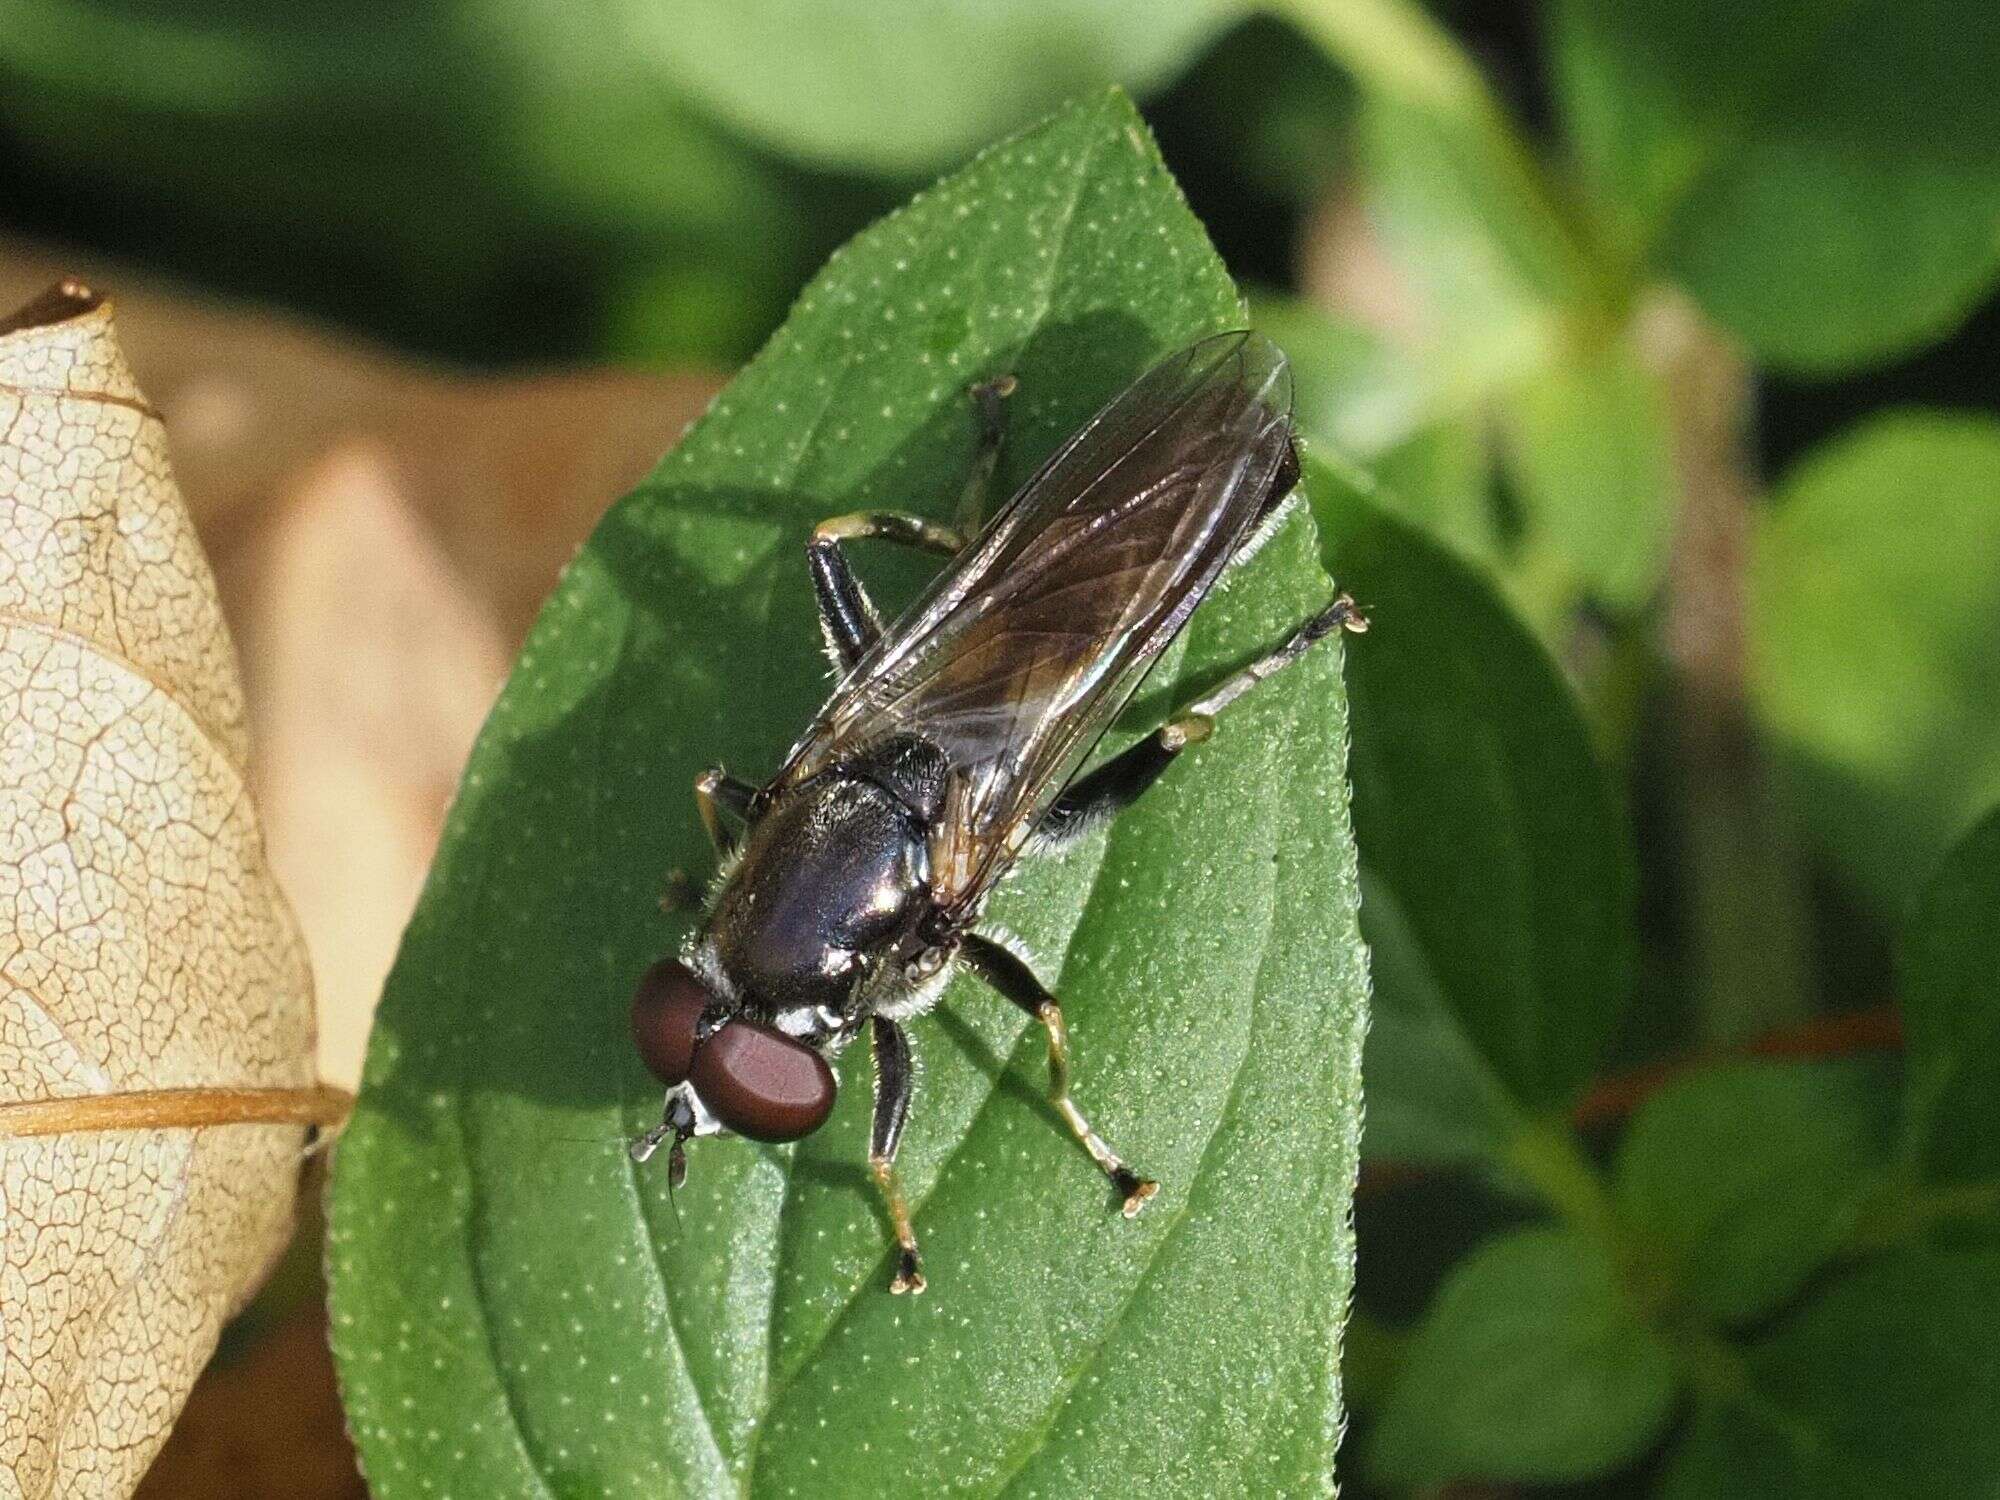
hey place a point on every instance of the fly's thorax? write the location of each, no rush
(833, 877)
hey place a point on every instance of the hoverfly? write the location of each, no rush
(853, 881)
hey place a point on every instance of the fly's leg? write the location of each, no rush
(846, 613)
(893, 1079)
(714, 790)
(1004, 970)
(1118, 783)
(989, 400)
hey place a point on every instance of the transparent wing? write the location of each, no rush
(1021, 653)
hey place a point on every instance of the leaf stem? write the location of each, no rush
(1397, 52)
(175, 1109)
(1547, 1154)
(1903, 1212)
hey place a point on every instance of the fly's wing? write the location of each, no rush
(1022, 652)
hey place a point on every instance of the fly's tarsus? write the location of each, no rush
(909, 1273)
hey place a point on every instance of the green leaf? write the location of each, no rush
(1531, 1365)
(1588, 449)
(1431, 1097)
(1453, 183)
(1951, 1014)
(1484, 814)
(904, 86)
(1752, 1174)
(1822, 177)
(1885, 1385)
(519, 1310)
(1875, 604)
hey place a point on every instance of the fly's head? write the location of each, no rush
(726, 1070)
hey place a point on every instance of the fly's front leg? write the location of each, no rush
(846, 613)
(714, 790)
(893, 1079)
(1118, 783)
(1004, 970)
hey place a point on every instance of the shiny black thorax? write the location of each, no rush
(832, 884)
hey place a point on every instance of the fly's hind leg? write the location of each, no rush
(1005, 971)
(1120, 781)
(893, 1079)
(846, 613)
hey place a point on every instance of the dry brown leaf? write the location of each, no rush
(154, 994)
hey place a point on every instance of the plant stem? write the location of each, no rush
(1546, 1153)
(1746, 922)
(1847, 1034)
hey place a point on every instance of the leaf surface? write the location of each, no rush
(1752, 1174)
(1492, 830)
(1951, 1008)
(1587, 446)
(885, 87)
(1884, 1385)
(518, 1309)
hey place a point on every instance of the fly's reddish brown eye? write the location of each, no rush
(762, 1084)
(665, 1007)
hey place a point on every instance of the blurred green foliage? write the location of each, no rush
(1875, 625)
(1635, 341)
(1531, 1363)
(1822, 176)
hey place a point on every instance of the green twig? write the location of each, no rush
(1398, 54)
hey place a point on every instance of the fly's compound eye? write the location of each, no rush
(665, 1009)
(763, 1084)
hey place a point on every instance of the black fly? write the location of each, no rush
(952, 746)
